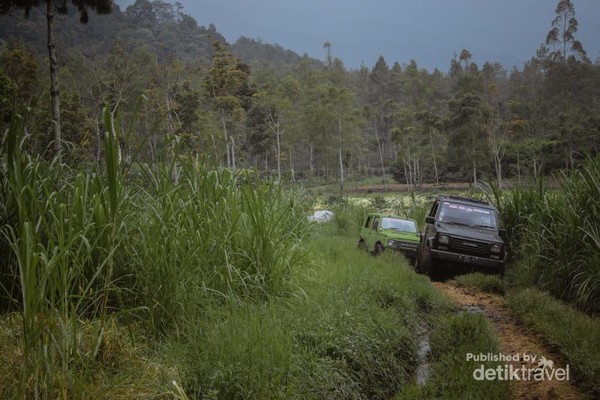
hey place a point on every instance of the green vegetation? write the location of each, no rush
(555, 235)
(257, 105)
(176, 248)
(82, 249)
(455, 335)
(483, 282)
(348, 333)
(574, 334)
(121, 283)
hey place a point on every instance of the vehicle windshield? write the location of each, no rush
(401, 225)
(460, 214)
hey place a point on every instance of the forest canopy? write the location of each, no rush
(257, 105)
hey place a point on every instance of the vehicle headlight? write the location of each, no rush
(496, 248)
(443, 239)
(390, 242)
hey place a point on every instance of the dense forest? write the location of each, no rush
(183, 88)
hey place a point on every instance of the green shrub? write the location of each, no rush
(348, 218)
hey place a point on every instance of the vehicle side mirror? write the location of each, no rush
(429, 219)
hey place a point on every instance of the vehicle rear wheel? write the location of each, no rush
(362, 245)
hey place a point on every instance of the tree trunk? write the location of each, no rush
(278, 137)
(53, 79)
(406, 174)
(340, 156)
(473, 159)
(437, 179)
(310, 162)
(171, 128)
(292, 166)
(266, 161)
(226, 137)
(419, 178)
(233, 167)
(498, 163)
(381, 159)
(519, 167)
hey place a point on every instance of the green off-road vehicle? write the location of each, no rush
(382, 231)
(461, 232)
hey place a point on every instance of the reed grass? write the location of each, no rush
(554, 235)
(96, 245)
(59, 237)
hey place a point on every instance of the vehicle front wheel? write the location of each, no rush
(378, 249)
(425, 264)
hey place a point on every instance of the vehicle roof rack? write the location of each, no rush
(459, 198)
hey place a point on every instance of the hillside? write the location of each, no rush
(164, 29)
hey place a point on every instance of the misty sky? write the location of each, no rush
(429, 31)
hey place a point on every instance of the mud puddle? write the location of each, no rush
(423, 371)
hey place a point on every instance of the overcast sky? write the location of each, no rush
(429, 31)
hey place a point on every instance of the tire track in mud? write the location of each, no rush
(514, 338)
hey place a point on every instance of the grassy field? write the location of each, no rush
(190, 281)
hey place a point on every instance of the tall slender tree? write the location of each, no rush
(228, 86)
(561, 37)
(101, 7)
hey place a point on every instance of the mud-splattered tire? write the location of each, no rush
(426, 264)
(362, 245)
(378, 249)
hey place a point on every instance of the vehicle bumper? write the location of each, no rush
(466, 259)
(408, 251)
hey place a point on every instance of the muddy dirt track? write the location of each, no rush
(514, 338)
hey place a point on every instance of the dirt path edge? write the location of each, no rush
(515, 338)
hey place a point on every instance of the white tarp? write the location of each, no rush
(321, 216)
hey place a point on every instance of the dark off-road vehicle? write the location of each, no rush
(461, 232)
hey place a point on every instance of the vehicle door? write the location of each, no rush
(373, 231)
(365, 230)
(430, 228)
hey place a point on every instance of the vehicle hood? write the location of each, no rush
(406, 236)
(486, 235)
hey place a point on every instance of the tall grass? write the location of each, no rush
(453, 337)
(212, 236)
(347, 332)
(59, 235)
(348, 218)
(556, 236)
(81, 247)
(574, 334)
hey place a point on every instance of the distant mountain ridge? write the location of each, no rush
(163, 28)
